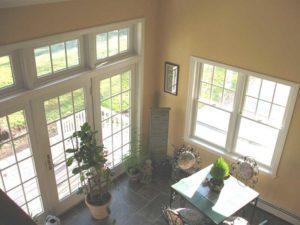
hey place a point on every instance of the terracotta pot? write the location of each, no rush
(99, 212)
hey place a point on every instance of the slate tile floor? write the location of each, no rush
(137, 204)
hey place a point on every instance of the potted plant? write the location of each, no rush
(90, 160)
(219, 171)
(133, 161)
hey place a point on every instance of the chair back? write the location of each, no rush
(171, 216)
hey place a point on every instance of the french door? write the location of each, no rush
(34, 137)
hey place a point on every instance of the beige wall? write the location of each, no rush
(261, 36)
(25, 23)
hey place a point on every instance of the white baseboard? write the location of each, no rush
(281, 213)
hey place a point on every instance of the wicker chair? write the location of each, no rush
(181, 216)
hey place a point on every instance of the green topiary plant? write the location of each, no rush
(220, 169)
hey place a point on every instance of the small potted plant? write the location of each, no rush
(91, 165)
(133, 161)
(219, 171)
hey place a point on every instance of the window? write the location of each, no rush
(64, 114)
(6, 72)
(57, 57)
(48, 88)
(112, 43)
(238, 112)
(17, 170)
(115, 98)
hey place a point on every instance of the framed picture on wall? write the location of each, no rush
(171, 78)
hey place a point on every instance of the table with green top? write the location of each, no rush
(216, 206)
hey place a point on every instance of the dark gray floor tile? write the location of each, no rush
(152, 211)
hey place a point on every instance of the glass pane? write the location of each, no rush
(216, 94)
(101, 45)
(57, 152)
(212, 124)
(11, 177)
(58, 56)
(17, 123)
(54, 132)
(125, 81)
(17, 195)
(74, 183)
(22, 147)
(66, 104)
(256, 140)
(79, 103)
(205, 92)
(51, 110)
(228, 98)
(207, 73)
(125, 149)
(219, 76)
(105, 88)
(108, 144)
(4, 131)
(123, 39)
(253, 86)
(31, 189)
(277, 114)
(213, 117)
(7, 156)
(116, 123)
(116, 104)
(263, 109)
(117, 141)
(231, 79)
(6, 74)
(106, 128)
(125, 136)
(210, 134)
(117, 157)
(26, 169)
(63, 190)
(72, 53)
(106, 109)
(109, 160)
(42, 61)
(60, 173)
(80, 119)
(68, 126)
(282, 94)
(250, 105)
(125, 100)
(35, 206)
(267, 90)
(115, 85)
(113, 46)
(125, 118)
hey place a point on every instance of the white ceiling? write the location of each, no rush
(17, 3)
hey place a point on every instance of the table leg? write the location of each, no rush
(172, 196)
(253, 211)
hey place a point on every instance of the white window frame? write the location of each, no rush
(31, 91)
(234, 123)
(131, 47)
(16, 72)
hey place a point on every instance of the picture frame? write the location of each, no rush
(171, 78)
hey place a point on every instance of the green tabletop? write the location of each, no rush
(216, 206)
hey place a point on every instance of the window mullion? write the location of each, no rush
(235, 114)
